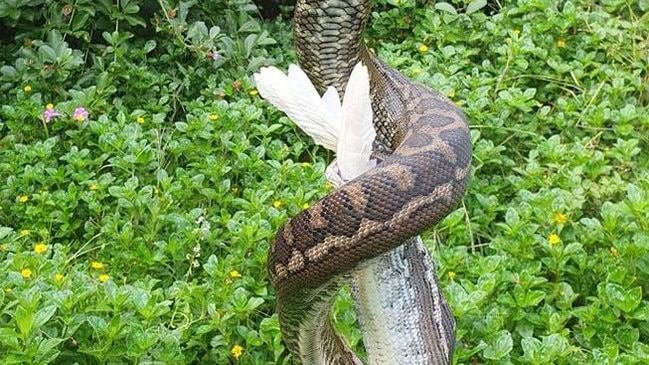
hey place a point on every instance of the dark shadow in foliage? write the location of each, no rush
(270, 9)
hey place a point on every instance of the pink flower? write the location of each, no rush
(215, 56)
(80, 114)
(50, 113)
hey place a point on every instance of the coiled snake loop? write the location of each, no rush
(427, 147)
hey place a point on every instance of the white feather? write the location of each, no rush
(354, 147)
(295, 95)
(346, 129)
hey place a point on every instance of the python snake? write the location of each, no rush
(424, 143)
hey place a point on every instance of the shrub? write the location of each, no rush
(143, 179)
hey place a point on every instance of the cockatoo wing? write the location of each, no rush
(295, 95)
(357, 135)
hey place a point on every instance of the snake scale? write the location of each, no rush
(424, 145)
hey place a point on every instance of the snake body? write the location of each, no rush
(425, 146)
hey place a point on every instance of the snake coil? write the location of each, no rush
(426, 145)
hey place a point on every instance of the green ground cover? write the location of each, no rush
(142, 178)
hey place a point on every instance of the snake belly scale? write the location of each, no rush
(426, 148)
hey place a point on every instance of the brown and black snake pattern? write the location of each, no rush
(426, 145)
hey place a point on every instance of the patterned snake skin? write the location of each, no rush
(424, 143)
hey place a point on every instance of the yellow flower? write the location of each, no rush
(8, 290)
(517, 32)
(213, 117)
(277, 203)
(614, 252)
(93, 187)
(328, 185)
(27, 88)
(96, 265)
(423, 48)
(40, 248)
(236, 351)
(560, 218)
(451, 275)
(140, 120)
(451, 94)
(415, 71)
(23, 232)
(23, 198)
(561, 43)
(26, 273)
(554, 239)
(234, 274)
(58, 277)
(49, 106)
(103, 278)
(253, 92)
(306, 164)
(305, 206)
(4, 248)
(235, 190)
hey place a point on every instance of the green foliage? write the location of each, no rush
(138, 233)
(556, 270)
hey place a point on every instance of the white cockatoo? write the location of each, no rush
(346, 128)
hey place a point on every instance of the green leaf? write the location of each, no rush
(25, 320)
(253, 303)
(500, 347)
(475, 5)
(150, 45)
(554, 347)
(47, 53)
(9, 338)
(626, 300)
(212, 266)
(109, 37)
(214, 31)
(44, 315)
(47, 345)
(251, 26)
(511, 217)
(80, 21)
(249, 44)
(572, 248)
(250, 335)
(446, 7)
(98, 324)
(218, 341)
(627, 335)
(197, 32)
(531, 349)
(8, 71)
(644, 5)
(533, 297)
(5, 231)
(641, 313)
(140, 298)
(641, 350)
(611, 348)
